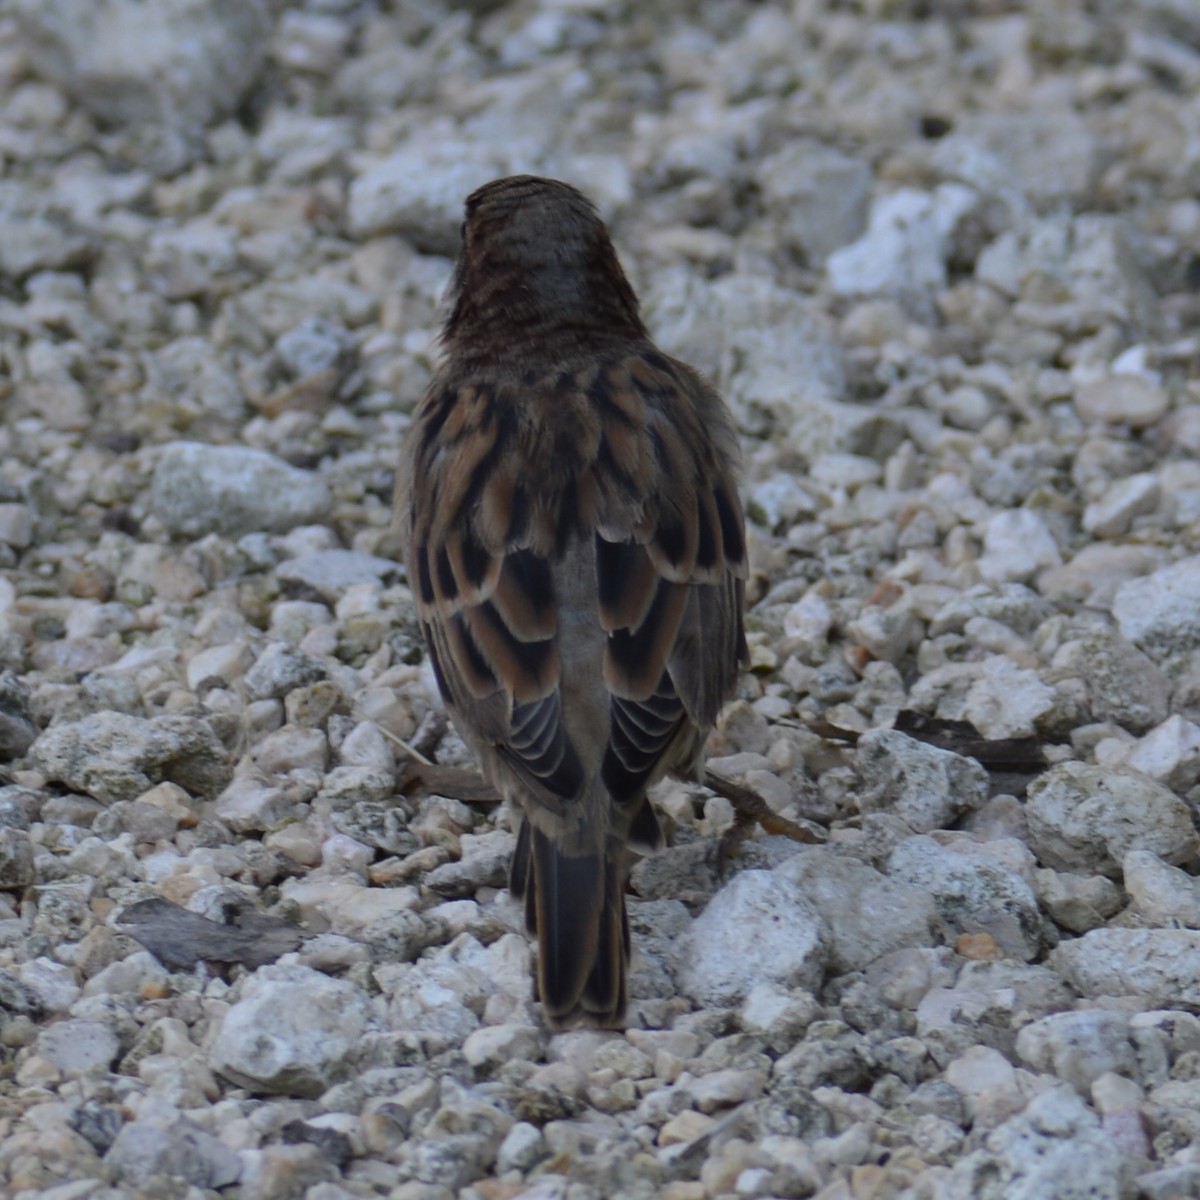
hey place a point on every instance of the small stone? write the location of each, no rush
(724, 1089)
(248, 805)
(888, 633)
(1124, 685)
(280, 669)
(759, 928)
(818, 194)
(1159, 612)
(150, 1147)
(1160, 967)
(226, 663)
(1006, 701)
(232, 490)
(16, 525)
(113, 756)
(1163, 895)
(925, 786)
(1132, 400)
(79, 1045)
(779, 502)
(365, 746)
(778, 1017)
(1084, 817)
(293, 748)
(1112, 1093)
(1078, 902)
(313, 345)
(277, 1171)
(332, 572)
(980, 947)
(484, 863)
(809, 618)
(975, 889)
(1169, 753)
(887, 914)
(1079, 1047)
(686, 1126)
(492, 1046)
(904, 249)
(293, 1031)
(53, 983)
(1017, 545)
(988, 1083)
(17, 868)
(522, 1149)
(1113, 513)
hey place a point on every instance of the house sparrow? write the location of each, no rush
(576, 547)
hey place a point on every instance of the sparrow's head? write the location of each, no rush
(536, 260)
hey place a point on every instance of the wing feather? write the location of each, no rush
(640, 461)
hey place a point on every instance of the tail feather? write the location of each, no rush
(575, 905)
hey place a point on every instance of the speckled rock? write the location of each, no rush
(151, 1147)
(113, 756)
(1054, 1148)
(183, 63)
(233, 490)
(760, 928)
(887, 914)
(977, 887)
(1079, 1047)
(1157, 966)
(1158, 612)
(293, 1031)
(79, 1045)
(1090, 817)
(921, 784)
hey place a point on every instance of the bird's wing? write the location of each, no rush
(670, 583)
(633, 459)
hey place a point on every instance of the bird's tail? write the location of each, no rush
(575, 906)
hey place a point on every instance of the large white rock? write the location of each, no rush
(233, 490)
(978, 887)
(293, 1031)
(1161, 967)
(1161, 612)
(866, 914)
(172, 62)
(905, 247)
(1079, 1046)
(1161, 894)
(1016, 545)
(1085, 818)
(759, 928)
(1054, 1148)
(1006, 701)
(113, 756)
(1169, 753)
(925, 786)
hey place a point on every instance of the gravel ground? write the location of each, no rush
(944, 260)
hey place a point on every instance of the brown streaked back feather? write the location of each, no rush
(577, 554)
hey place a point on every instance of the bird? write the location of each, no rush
(575, 545)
